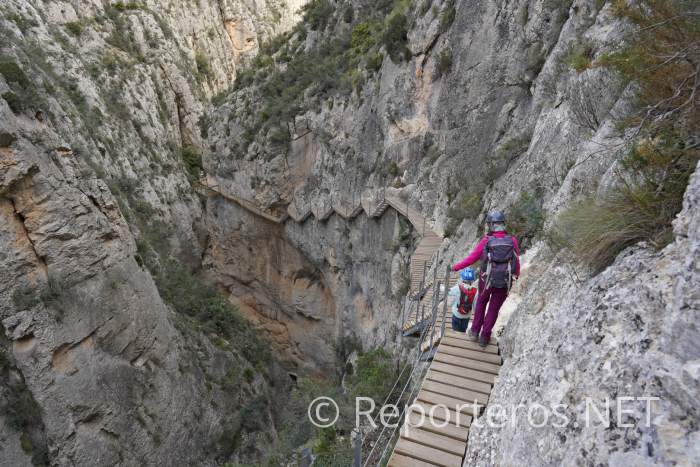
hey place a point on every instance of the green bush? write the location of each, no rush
(579, 57)
(317, 14)
(395, 37)
(76, 28)
(203, 66)
(24, 24)
(468, 207)
(374, 61)
(12, 73)
(279, 135)
(124, 6)
(363, 36)
(374, 376)
(650, 186)
(121, 36)
(25, 297)
(13, 101)
(348, 14)
(444, 63)
(597, 229)
(191, 296)
(52, 291)
(525, 219)
(448, 16)
(192, 157)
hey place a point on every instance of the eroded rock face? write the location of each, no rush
(505, 121)
(511, 118)
(92, 131)
(308, 285)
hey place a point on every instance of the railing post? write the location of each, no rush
(403, 312)
(444, 306)
(436, 297)
(357, 445)
(436, 301)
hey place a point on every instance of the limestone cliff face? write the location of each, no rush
(101, 135)
(310, 284)
(506, 118)
(100, 103)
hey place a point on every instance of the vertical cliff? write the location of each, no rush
(120, 340)
(99, 149)
(533, 107)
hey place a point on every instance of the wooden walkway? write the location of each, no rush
(456, 389)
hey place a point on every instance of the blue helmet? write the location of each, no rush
(467, 275)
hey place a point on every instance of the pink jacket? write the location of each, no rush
(479, 248)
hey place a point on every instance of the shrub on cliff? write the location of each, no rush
(448, 16)
(317, 14)
(192, 296)
(203, 67)
(640, 207)
(526, 218)
(443, 64)
(661, 57)
(192, 157)
(395, 37)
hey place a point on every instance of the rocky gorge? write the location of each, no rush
(147, 320)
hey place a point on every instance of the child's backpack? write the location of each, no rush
(466, 299)
(498, 262)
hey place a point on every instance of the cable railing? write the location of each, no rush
(439, 295)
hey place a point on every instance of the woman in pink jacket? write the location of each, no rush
(500, 265)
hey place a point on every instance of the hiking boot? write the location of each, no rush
(472, 335)
(483, 342)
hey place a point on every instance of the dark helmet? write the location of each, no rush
(495, 216)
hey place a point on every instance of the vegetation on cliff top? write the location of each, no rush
(291, 75)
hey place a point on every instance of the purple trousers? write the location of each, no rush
(494, 298)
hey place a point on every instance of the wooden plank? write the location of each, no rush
(436, 441)
(465, 395)
(397, 460)
(442, 426)
(465, 343)
(441, 414)
(472, 354)
(460, 406)
(427, 454)
(488, 378)
(466, 363)
(458, 381)
(460, 335)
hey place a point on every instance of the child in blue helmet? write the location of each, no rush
(463, 297)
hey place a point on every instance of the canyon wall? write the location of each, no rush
(100, 103)
(488, 109)
(457, 107)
